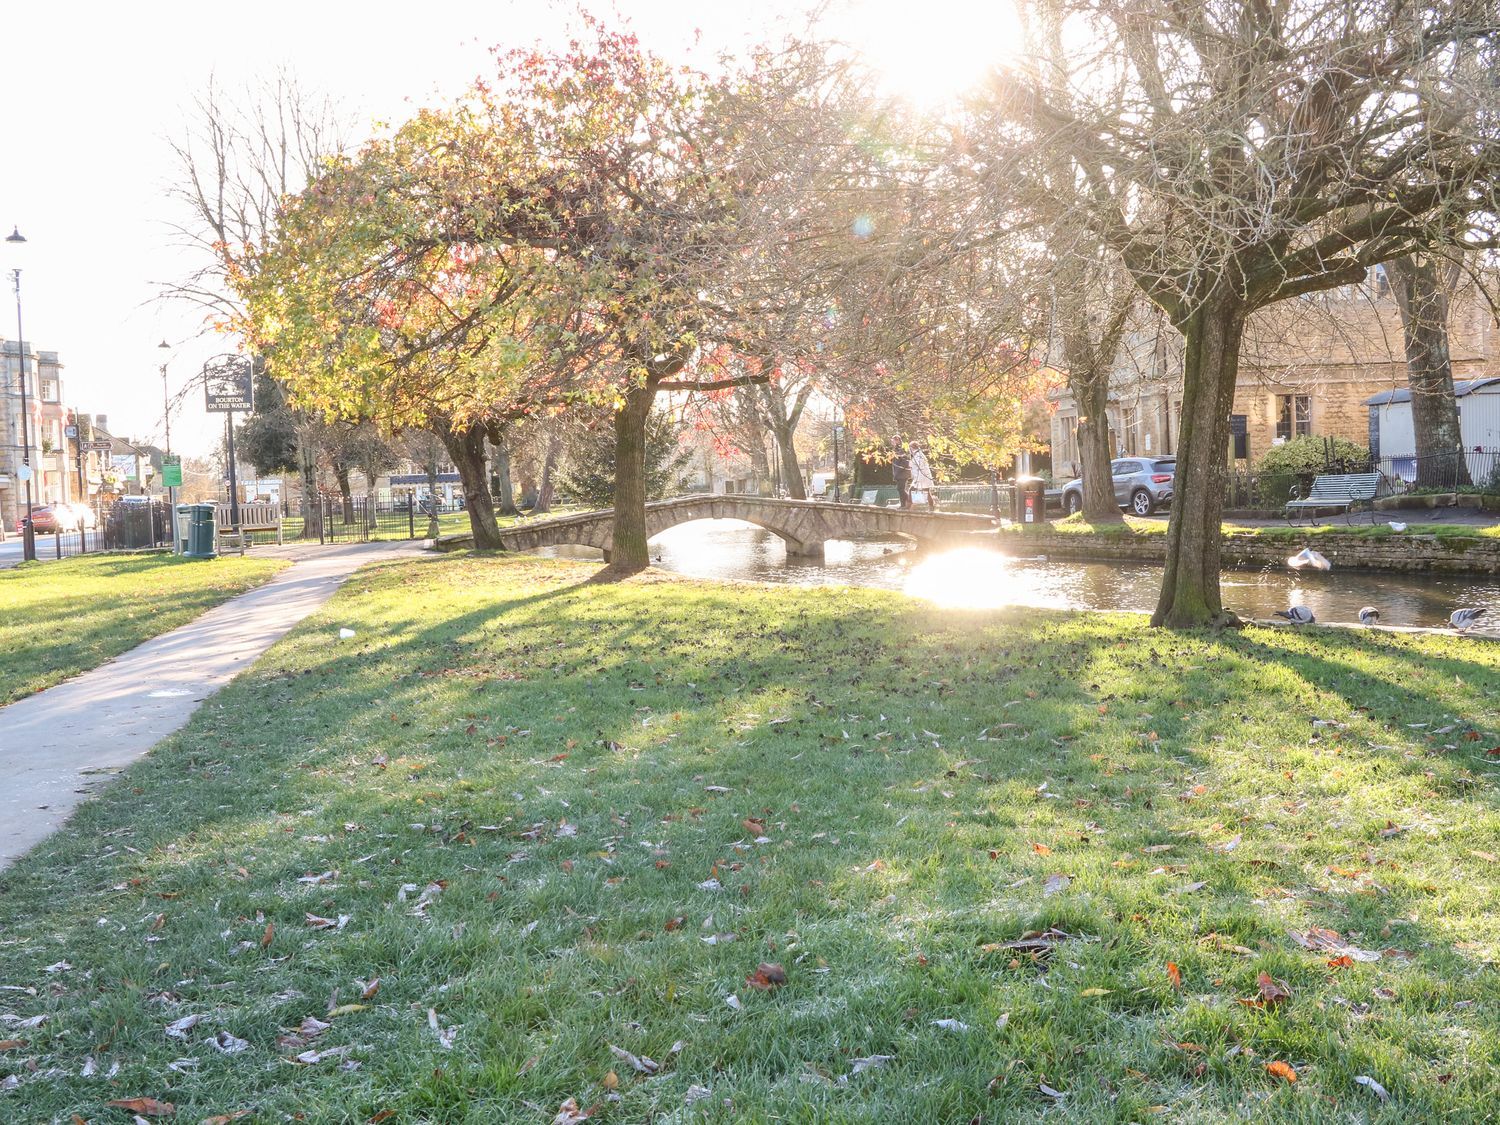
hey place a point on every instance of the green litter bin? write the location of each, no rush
(182, 518)
(197, 535)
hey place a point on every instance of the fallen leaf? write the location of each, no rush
(1041, 849)
(227, 1044)
(226, 1118)
(1282, 1070)
(638, 1063)
(1096, 992)
(265, 938)
(1174, 974)
(1055, 883)
(868, 1062)
(1374, 1087)
(148, 1107)
(180, 1028)
(569, 1114)
(370, 989)
(950, 1025)
(1343, 961)
(767, 975)
(1271, 992)
(12, 1044)
(610, 1081)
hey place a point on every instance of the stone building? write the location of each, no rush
(1308, 366)
(52, 454)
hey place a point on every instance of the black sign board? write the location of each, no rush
(229, 382)
(1239, 432)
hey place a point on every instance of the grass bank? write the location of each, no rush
(524, 839)
(61, 618)
(1130, 525)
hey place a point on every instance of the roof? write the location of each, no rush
(1461, 388)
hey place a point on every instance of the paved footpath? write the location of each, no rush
(57, 746)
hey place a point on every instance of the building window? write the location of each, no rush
(49, 390)
(1132, 430)
(1295, 416)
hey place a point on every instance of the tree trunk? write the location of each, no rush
(1094, 448)
(549, 464)
(466, 449)
(312, 510)
(506, 499)
(791, 472)
(1190, 587)
(628, 547)
(434, 528)
(341, 474)
(1423, 299)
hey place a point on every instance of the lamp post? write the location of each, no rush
(166, 415)
(28, 539)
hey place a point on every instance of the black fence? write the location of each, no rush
(119, 526)
(332, 519)
(1476, 471)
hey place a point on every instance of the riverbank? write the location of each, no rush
(1419, 548)
(823, 853)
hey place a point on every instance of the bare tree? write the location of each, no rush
(1237, 153)
(1423, 284)
(237, 159)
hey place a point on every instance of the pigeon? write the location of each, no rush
(1297, 615)
(1463, 619)
(1307, 557)
(1369, 616)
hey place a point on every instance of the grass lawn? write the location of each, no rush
(1022, 865)
(61, 618)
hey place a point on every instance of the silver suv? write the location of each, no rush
(1142, 484)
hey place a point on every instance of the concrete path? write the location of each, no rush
(57, 746)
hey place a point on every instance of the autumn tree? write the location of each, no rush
(1237, 153)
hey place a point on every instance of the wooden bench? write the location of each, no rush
(1339, 491)
(254, 516)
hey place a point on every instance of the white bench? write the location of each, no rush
(1340, 491)
(257, 515)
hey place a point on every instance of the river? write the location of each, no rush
(976, 578)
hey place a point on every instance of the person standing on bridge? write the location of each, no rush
(921, 478)
(901, 474)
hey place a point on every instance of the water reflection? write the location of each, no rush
(979, 579)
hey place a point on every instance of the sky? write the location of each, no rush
(91, 92)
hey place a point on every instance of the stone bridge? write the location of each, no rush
(803, 524)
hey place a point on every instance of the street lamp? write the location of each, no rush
(166, 414)
(28, 539)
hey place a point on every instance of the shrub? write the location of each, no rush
(1299, 460)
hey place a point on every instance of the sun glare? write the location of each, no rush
(931, 52)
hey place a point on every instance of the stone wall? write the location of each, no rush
(1427, 553)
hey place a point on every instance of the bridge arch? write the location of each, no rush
(803, 525)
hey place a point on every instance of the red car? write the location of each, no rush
(47, 518)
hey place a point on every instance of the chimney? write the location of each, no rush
(102, 421)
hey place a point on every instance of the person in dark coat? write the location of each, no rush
(901, 473)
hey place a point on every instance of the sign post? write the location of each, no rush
(229, 385)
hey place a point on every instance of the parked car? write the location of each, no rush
(1142, 484)
(48, 518)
